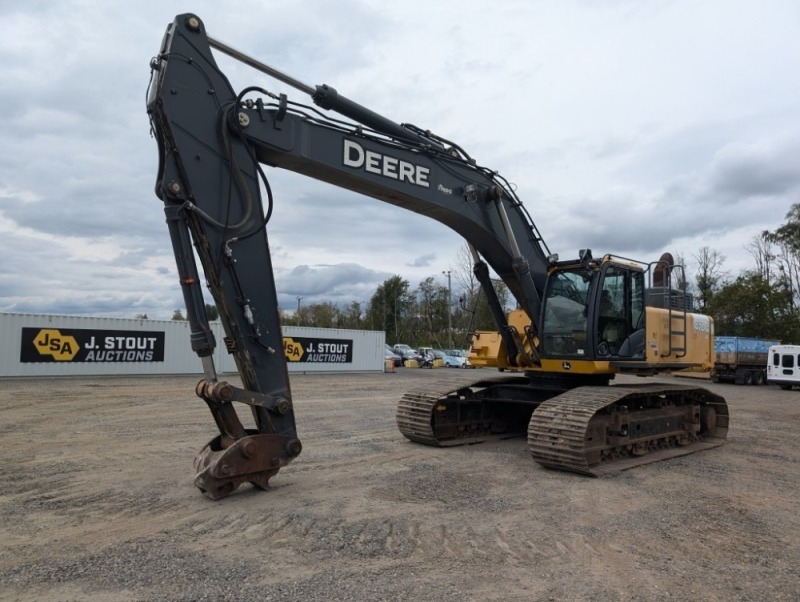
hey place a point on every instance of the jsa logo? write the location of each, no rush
(52, 342)
(292, 349)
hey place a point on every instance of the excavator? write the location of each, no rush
(577, 324)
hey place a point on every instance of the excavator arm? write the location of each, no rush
(213, 143)
(217, 135)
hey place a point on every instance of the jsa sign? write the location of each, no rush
(325, 351)
(83, 345)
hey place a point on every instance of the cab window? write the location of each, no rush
(620, 313)
(564, 328)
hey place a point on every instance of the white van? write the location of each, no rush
(783, 366)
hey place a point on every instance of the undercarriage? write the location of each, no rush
(590, 430)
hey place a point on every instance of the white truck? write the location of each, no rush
(741, 360)
(783, 366)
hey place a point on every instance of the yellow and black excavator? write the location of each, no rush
(579, 322)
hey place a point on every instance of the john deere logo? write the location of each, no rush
(63, 348)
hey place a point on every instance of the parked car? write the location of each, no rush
(408, 354)
(454, 361)
(390, 354)
(458, 358)
(401, 348)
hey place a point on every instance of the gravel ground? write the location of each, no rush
(97, 503)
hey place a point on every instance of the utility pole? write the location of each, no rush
(298, 310)
(449, 310)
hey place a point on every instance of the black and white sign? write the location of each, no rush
(83, 345)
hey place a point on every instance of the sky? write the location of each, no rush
(631, 127)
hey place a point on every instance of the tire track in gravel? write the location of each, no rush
(422, 540)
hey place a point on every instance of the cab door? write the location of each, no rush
(619, 313)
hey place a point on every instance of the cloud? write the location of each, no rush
(340, 284)
(764, 169)
(422, 261)
(627, 127)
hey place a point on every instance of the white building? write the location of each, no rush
(50, 345)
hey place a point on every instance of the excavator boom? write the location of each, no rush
(213, 143)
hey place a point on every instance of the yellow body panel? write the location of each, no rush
(487, 350)
(665, 346)
(661, 348)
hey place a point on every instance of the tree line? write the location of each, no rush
(763, 301)
(414, 316)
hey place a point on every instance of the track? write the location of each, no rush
(441, 416)
(587, 430)
(596, 430)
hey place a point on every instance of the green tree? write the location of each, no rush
(787, 239)
(178, 315)
(320, 315)
(351, 317)
(389, 307)
(789, 233)
(211, 312)
(750, 307)
(430, 313)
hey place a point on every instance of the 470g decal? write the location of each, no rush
(84, 345)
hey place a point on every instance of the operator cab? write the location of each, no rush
(594, 310)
